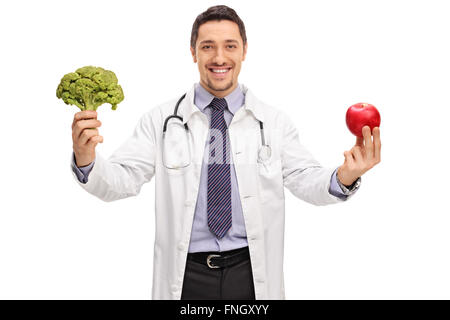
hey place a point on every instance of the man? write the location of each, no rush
(220, 215)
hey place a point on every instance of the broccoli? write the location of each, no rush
(89, 87)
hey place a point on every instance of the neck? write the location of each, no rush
(219, 94)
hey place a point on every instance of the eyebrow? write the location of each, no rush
(212, 41)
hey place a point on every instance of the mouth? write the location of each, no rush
(219, 72)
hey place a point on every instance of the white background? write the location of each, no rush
(311, 59)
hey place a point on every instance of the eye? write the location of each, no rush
(232, 45)
(205, 47)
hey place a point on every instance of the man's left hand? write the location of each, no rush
(364, 155)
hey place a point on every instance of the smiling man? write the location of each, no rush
(218, 47)
(221, 160)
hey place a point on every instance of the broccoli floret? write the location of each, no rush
(89, 87)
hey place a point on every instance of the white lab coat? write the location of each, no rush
(261, 187)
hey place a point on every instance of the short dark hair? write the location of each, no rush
(220, 12)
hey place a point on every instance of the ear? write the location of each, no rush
(245, 51)
(193, 55)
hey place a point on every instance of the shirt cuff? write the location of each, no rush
(337, 189)
(82, 173)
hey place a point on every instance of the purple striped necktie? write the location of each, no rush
(219, 178)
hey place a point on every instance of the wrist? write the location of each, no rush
(344, 179)
(82, 161)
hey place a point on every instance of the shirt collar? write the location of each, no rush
(203, 98)
(252, 104)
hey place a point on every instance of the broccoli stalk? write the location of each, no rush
(90, 87)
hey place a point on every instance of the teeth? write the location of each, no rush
(219, 70)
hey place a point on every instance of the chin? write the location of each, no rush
(217, 86)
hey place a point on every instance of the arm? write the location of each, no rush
(127, 169)
(303, 175)
(341, 191)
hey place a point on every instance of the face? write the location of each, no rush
(219, 48)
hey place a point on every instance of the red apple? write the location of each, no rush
(360, 115)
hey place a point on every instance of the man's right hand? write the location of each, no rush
(85, 137)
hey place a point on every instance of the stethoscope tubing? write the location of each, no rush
(175, 115)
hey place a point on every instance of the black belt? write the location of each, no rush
(220, 259)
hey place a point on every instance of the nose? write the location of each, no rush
(219, 57)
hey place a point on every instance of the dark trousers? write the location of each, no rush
(204, 283)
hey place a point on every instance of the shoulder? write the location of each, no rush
(158, 113)
(151, 122)
(274, 115)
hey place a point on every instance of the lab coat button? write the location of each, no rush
(181, 246)
(174, 287)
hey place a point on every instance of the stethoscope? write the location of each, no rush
(264, 153)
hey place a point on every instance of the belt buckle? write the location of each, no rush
(208, 261)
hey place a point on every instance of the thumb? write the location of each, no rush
(348, 156)
(359, 141)
(94, 141)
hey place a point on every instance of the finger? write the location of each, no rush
(359, 141)
(356, 152)
(81, 125)
(87, 114)
(368, 142)
(86, 135)
(377, 144)
(94, 141)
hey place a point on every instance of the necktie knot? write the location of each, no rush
(219, 104)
